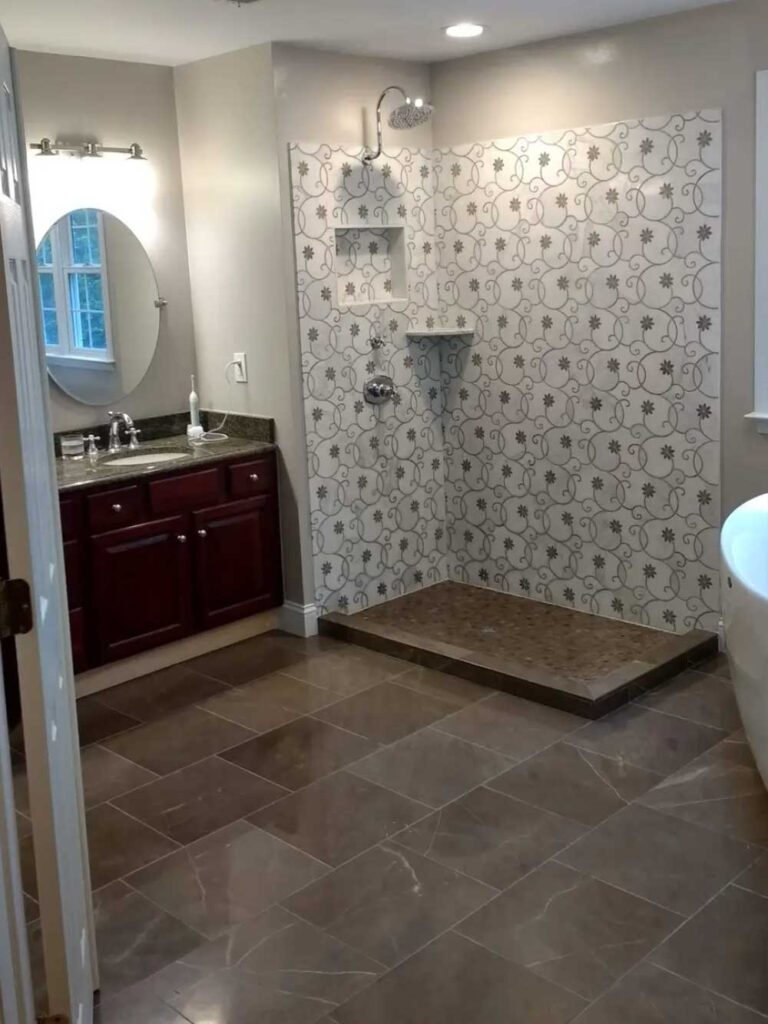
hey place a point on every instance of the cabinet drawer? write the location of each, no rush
(179, 493)
(70, 517)
(113, 509)
(257, 477)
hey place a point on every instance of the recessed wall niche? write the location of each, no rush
(370, 265)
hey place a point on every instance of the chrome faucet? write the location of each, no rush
(115, 420)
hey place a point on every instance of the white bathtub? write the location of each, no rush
(744, 547)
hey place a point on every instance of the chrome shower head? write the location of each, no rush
(411, 114)
(408, 115)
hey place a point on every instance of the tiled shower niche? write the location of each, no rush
(568, 450)
(370, 265)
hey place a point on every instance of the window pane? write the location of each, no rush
(84, 234)
(86, 300)
(98, 331)
(50, 328)
(47, 292)
(45, 252)
(48, 306)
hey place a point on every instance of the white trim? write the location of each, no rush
(104, 678)
(299, 619)
(760, 415)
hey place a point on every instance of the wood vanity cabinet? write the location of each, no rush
(158, 559)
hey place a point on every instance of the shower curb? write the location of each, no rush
(591, 699)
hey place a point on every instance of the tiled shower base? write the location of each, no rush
(568, 659)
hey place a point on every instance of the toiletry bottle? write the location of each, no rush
(194, 430)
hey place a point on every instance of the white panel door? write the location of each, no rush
(33, 534)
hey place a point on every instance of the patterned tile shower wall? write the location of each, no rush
(580, 424)
(376, 472)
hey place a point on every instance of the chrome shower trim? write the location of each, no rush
(398, 119)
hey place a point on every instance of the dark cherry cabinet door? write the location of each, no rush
(141, 584)
(237, 560)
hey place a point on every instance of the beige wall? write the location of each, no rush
(227, 132)
(707, 58)
(116, 103)
(237, 113)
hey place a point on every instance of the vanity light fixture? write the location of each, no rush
(49, 147)
(464, 30)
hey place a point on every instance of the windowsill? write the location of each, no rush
(80, 362)
(760, 420)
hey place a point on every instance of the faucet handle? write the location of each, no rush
(133, 443)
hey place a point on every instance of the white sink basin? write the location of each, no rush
(148, 459)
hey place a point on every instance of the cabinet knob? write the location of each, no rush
(182, 538)
(254, 477)
(202, 533)
(117, 508)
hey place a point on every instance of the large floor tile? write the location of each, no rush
(722, 790)
(288, 954)
(649, 995)
(706, 699)
(202, 798)
(453, 689)
(160, 693)
(348, 670)
(648, 739)
(510, 725)
(670, 862)
(386, 712)
(226, 878)
(301, 752)
(338, 817)
(269, 702)
(135, 938)
(251, 659)
(756, 877)
(235, 996)
(389, 902)
(118, 844)
(132, 1007)
(570, 928)
(432, 767)
(490, 836)
(105, 775)
(577, 783)
(724, 948)
(719, 665)
(97, 722)
(455, 981)
(178, 740)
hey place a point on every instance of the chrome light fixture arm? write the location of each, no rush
(369, 156)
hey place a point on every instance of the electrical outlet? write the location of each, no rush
(240, 367)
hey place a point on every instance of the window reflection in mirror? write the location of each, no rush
(99, 306)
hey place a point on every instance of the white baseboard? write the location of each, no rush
(103, 678)
(299, 619)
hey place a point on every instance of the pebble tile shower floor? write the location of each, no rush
(294, 831)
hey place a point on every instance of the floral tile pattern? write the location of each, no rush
(569, 450)
(376, 473)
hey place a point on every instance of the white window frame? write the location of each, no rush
(66, 353)
(760, 414)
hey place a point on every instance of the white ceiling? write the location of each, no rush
(177, 31)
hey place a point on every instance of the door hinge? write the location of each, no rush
(15, 608)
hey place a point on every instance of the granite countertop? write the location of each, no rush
(83, 473)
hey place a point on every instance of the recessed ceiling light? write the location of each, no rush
(464, 30)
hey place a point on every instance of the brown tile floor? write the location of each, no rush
(306, 831)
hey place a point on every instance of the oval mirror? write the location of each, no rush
(99, 305)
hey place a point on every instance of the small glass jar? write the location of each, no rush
(72, 446)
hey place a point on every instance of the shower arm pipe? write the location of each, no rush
(369, 156)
